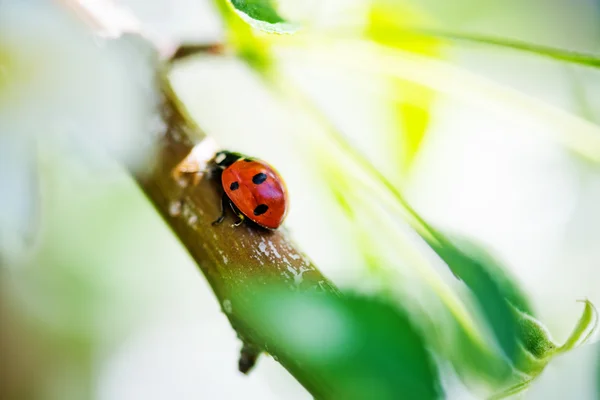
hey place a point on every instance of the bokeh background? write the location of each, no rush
(108, 305)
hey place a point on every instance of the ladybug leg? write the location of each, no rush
(224, 202)
(240, 220)
(240, 216)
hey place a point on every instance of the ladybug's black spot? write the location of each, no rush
(234, 186)
(259, 178)
(261, 209)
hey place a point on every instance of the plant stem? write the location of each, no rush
(590, 60)
(192, 49)
(238, 262)
(234, 260)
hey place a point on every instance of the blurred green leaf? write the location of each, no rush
(262, 14)
(483, 260)
(263, 10)
(480, 275)
(521, 338)
(489, 293)
(358, 347)
(497, 294)
(387, 23)
(471, 357)
(485, 276)
(454, 336)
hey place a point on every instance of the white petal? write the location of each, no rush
(62, 82)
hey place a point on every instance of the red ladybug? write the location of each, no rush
(252, 188)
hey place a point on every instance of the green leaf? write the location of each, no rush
(455, 336)
(262, 14)
(487, 279)
(262, 10)
(493, 290)
(481, 276)
(358, 347)
(387, 23)
(472, 357)
(487, 290)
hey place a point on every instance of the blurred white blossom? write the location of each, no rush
(64, 87)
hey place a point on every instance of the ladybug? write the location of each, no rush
(252, 188)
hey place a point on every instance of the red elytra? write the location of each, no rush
(255, 188)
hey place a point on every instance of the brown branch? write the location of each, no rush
(192, 49)
(237, 261)
(233, 259)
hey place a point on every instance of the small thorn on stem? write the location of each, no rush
(248, 357)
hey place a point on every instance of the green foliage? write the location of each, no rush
(521, 346)
(490, 294)
(359, 347)
(525, 342)
(492, 266)
(457, 338)
(473, 358)
(493, 290)
(352, 346)
(407, 57)
(387, 24)
(262, 14)
(262, 10)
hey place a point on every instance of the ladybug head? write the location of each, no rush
(225, 158)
